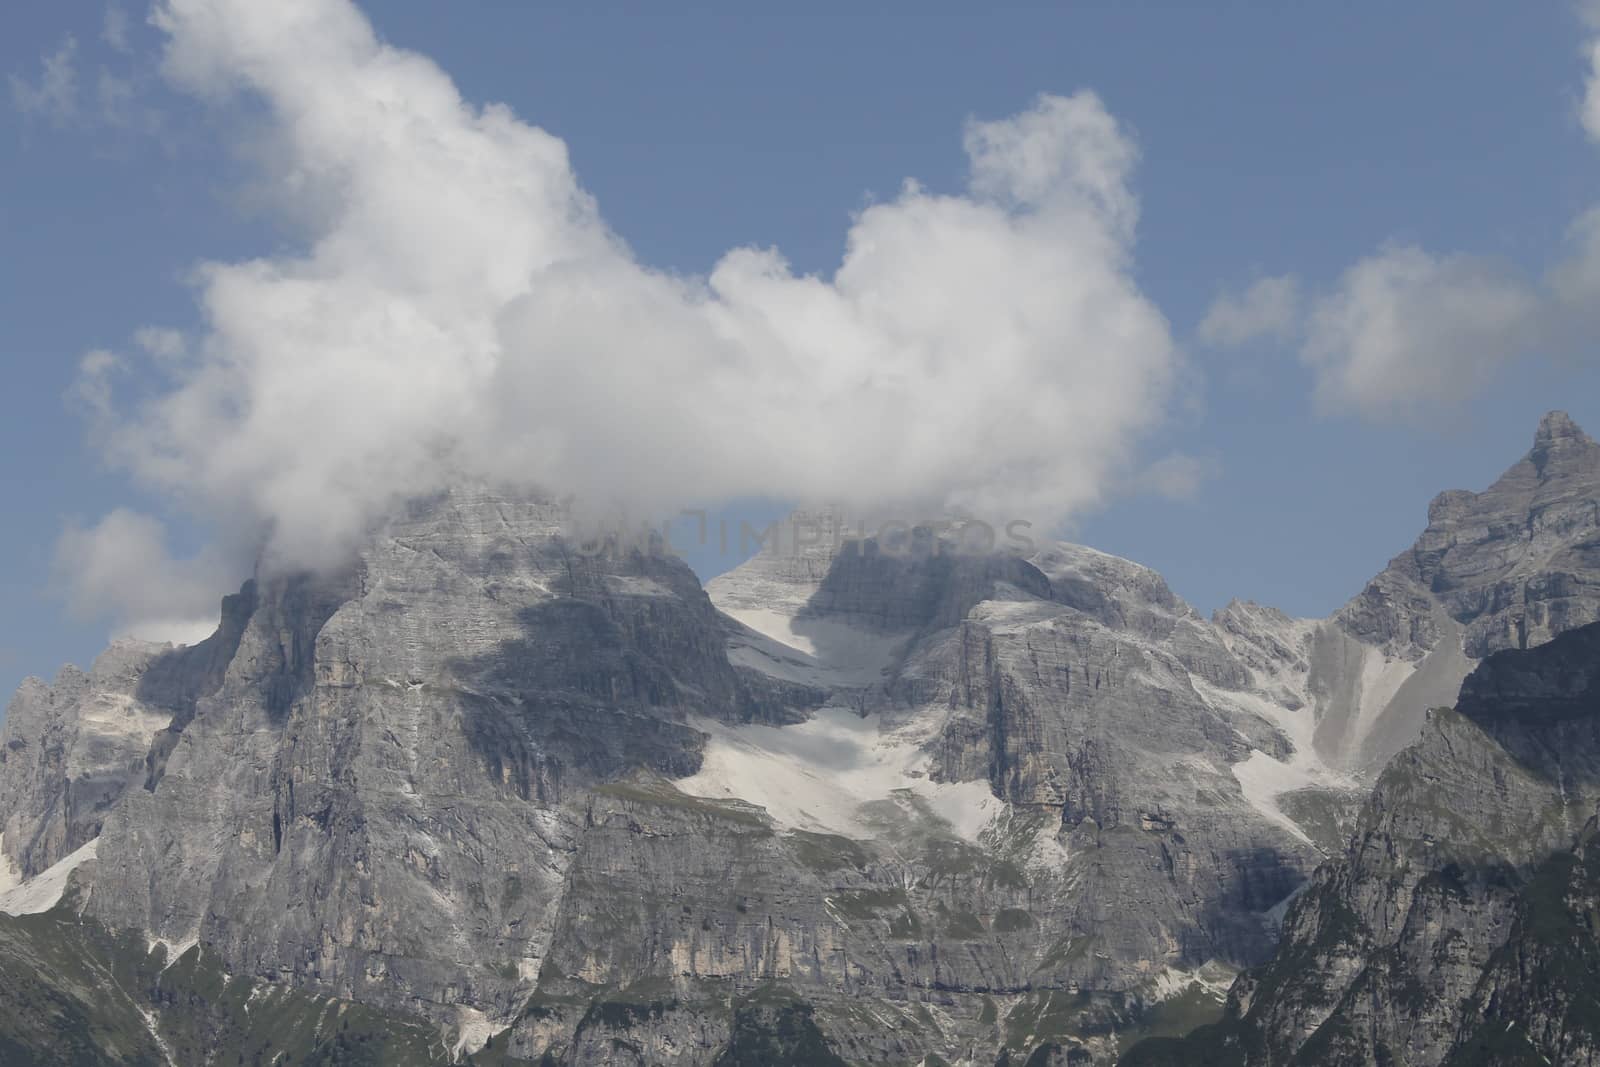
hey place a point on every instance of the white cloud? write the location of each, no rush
(1590, 113)
(114, 28)
(1574, 283)
(116, 97)
(1026, 160)
(54, 95)
(1589, 107)
(461, 309)
(1268, 309)
(70, 92)
(1407, 333)
(94, 386)
(1177, 476)
(120, 569)
(163, 343)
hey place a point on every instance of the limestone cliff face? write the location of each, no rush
(1107, 702)
(1070, 693)
(374, 800)
(470, 776)
(70, 750)
(1510, 567)
(1457, 927)
(883, 802)
(1514, 565)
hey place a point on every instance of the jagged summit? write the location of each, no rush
(1456, 927)
(496, 773)
(1508, 567)
(1560, 446)
(1559, 426)
(482, 767)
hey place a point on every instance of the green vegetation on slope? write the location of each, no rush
(72, 993)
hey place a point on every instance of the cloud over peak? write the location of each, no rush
(460, 309)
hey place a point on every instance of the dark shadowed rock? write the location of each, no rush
(871, 802)
(1458, 928)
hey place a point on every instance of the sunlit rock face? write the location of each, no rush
(892, 797)
(1510, 567)
(1070, 695)
(382, 793)
(70, 749)
(1457, 927)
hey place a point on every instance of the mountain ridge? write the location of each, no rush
(498, 782)
(1457, 927)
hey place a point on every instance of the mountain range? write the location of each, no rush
(490, 794)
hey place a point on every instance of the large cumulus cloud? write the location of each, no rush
(457, 307)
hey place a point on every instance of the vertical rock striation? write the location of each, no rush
(885, 801)
(1457, 929)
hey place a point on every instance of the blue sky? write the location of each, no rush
(1286, 140)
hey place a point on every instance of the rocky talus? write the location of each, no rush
(1510, 567)
(1459, 927)
(865, 799)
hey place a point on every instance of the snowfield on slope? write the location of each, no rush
(43, 891)
(817, 775)
(812, 651)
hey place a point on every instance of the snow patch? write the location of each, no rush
(1275, 915)
(1213, 978)
(1277, 648)
(43, 891)
(818, 774)
(812, 651)
(174, 949)
(112, 719)
(1263, 779)
(1381, 679)
(473, 1031)
(1298, 725)
(259, 991)
(1043, 849)
(1049, 853)
(152, 1026)
(969, 807)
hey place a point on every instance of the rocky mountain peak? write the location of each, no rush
(1514, 564)
(497, 771)
(1559, 426)
(1509, 567)
(1561, 443)
(1456, 927)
